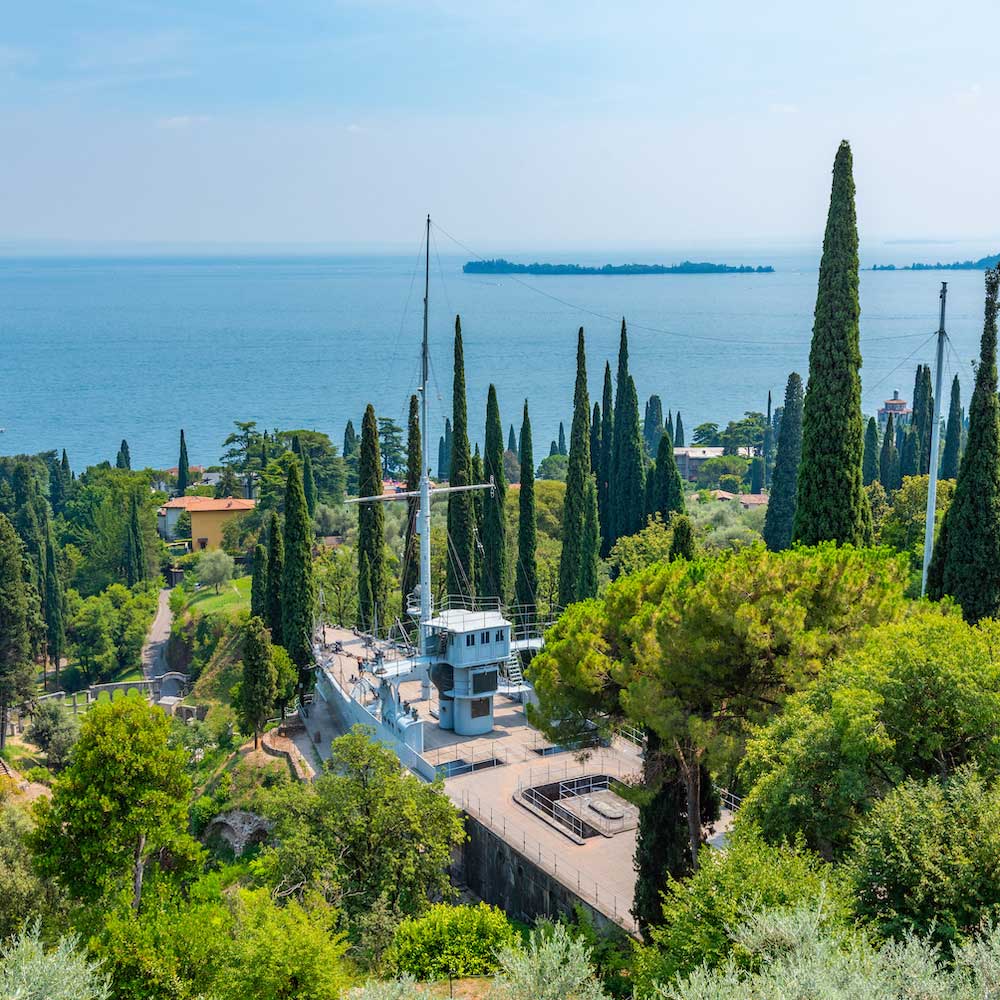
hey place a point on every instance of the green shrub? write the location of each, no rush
(455, 940)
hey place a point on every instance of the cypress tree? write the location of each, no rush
(275, 573)
(461, 506)
(628, 498)
(59, 483)
(909, 455)
(562, 437)
(410, 573)
(927, 424)
(258, 583)
(526, 576)
(652, 424)
(371, 526)
(679, 431)
(650, 501)
(448, 445)
(756, 475)
(350, 439)
(595, 442)
(494, 530)
(953, 437)
(297, 589)
(16, 670)
(134, 557)
(590, 543)
(607, 462)
(296, 445)
(888, 465)
(441, 463)
(577, 473)
(30, 522)
(669, 492)
(478, 516)
(183, 468)
(966, 560)
(308, 484)
(512, 441)
(670, 426)
(870, 467)
(831, 501)
(258, 686)
(123, 460)
(780, 516)
(553, 448)
(682, 539)
(54, 630)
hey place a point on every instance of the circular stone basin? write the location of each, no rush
(607, 809)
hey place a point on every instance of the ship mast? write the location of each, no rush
(424, 514)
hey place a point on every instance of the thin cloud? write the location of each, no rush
(182, 121)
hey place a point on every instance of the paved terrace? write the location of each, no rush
(600, 869)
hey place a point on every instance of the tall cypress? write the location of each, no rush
(590, 543)
(909, 454)
(595, 442)
(869, 471)
(577, 472)
(780, 517)
(275, 573)
(258, 583)
(441, 462)
(134, 556)
(607, 462)
(562, 439)
(478, 515)
(350, 439)
(183, 468)
(16, 669)
(526, 575)
(679, 431)
(410, 573)
(953, 436)
(461, 511)
(297, 588)
(123, 460)
(831, 501)
(652, 424)
(371, 525)
(494, 529)
(628, 497)
(448, 445)
(650, 502)
(308, 483)
(927, 419)
(670, 425)
(682, 538)
(888, 463)
(768, 443)
(966, 560)
(59, 484)
(512, 440)
(669, 492)
(756, 474)
(54, 629)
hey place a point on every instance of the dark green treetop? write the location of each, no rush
(371, 525)
(494, 527)
(526, 575)
(780, 516)
(953, 437)
(461, 506)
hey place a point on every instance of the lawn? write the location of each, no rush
(232, 598)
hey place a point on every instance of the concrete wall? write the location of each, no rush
(504, 876)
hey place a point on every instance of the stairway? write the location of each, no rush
(515, 675)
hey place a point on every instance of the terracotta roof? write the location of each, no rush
(210, 503)
(752, 499)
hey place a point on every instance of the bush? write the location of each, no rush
(927, 861)
(553, 966)
(750, 876)
(53, 730)
(28, 972)
(451, 940)
(404, 988)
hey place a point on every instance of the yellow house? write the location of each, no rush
(208, 517)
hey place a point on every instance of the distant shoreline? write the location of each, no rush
(959, 265)
(501, 266)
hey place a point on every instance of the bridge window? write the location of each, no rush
(484, 638)
(499, 636)
(470, 639)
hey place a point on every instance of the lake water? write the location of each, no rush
(97, 349)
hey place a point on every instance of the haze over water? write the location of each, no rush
(97, 349)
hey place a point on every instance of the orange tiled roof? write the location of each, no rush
(211, 503)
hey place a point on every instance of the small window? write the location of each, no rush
(470, 639)
(480, 708)
(484, 638)
(499, 637)
(451, 638)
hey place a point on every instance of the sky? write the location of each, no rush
(542, 124)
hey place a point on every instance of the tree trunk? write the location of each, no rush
(3, 724)
(256, 739)
(140, 864)
(689, 758)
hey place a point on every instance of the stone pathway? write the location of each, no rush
(154, 658)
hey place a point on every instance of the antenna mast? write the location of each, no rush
(424, 517)
(935, 443)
